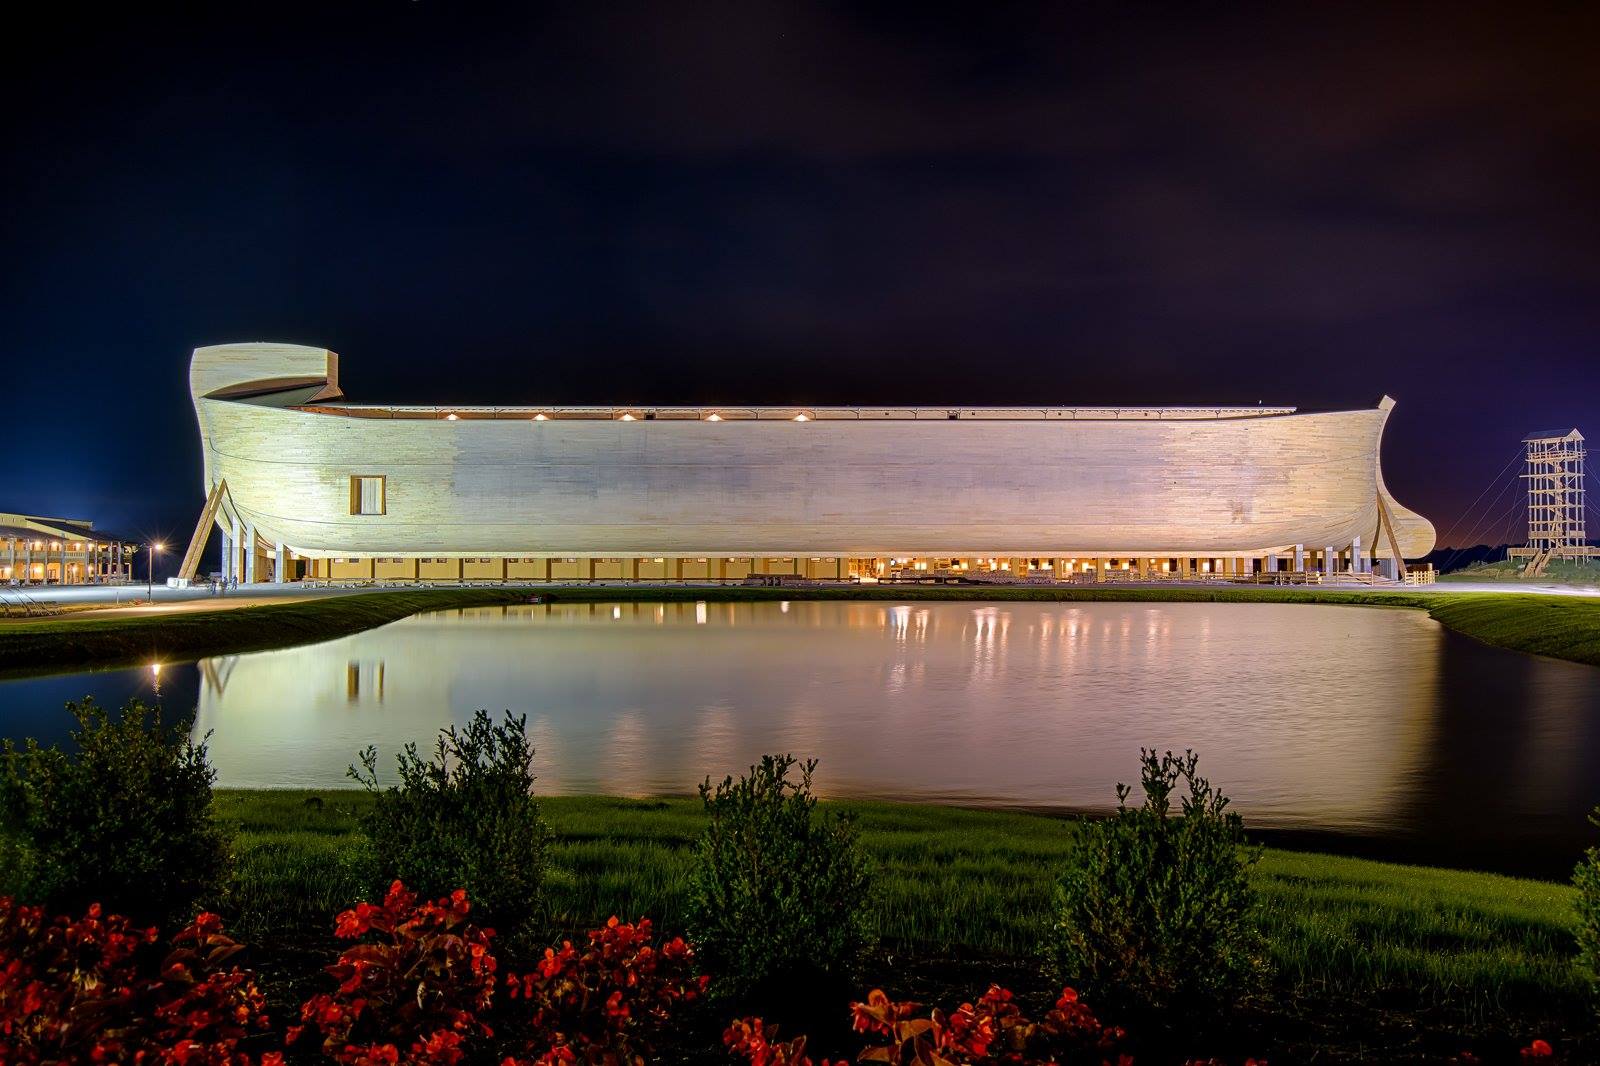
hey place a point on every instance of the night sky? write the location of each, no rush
(749, 203)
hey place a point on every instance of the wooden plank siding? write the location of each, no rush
(722, 499)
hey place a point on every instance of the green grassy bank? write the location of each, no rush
(976, 884)
(1562, 627)
(1509, 572)
(53, 645)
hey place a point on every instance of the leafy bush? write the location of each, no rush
(777, 889)
(993, 1030)
(124, 819)
(1586, 878)
(98, 989)
(465, 818)
(412, 994)
(601, 1004)
(1156, 907)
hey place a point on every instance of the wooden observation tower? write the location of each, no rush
(1556, 525)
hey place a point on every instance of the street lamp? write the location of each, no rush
(150, 568)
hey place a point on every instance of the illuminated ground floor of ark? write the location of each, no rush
(264, 565)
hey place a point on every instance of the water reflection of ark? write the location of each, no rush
(1375, 724)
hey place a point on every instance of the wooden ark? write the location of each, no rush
(674, 492)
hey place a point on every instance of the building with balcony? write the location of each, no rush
(35, 550)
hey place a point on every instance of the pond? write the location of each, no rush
(1356, 728)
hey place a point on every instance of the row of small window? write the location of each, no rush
(536, 559)
(528, 559)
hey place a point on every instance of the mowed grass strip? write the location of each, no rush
(1470, 940)
(1562, 627)
(957, 882)
(1509, 571)
(49, 645)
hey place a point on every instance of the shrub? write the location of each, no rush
(98, 989)
(465, 818)
(413, 993)
(777, 889)
(603, 1003)
(124, 819)
(1155, 906)
(1586, 878)
(993, 1030)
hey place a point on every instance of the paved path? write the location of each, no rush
(122, 601)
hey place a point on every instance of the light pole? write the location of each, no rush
(150, 567)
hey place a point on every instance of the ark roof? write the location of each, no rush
(745, 413)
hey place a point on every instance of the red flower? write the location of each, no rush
(94, 990)
(420, 984)
(992, 1030)
(599, 1004)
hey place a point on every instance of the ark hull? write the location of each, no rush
(768, 482)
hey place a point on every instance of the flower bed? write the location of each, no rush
(98, 989)
(421, 986)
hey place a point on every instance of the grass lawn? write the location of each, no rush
(1509, 571)
(53, 645)
(971, 884)
(1558, 626)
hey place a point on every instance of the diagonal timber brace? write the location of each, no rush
(1386, 524)
(202, 531)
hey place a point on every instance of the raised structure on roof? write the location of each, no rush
(303, 483)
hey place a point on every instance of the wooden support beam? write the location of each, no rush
(202, 531)
(1387, 526)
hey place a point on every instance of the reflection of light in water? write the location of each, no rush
(544, 736)
(986, 622)
(715, 740)
(896, 681)
(627, 760)
(1270, 695)
(783, 605)
(902, 620)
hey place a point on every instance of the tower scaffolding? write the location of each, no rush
(1557, 522)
